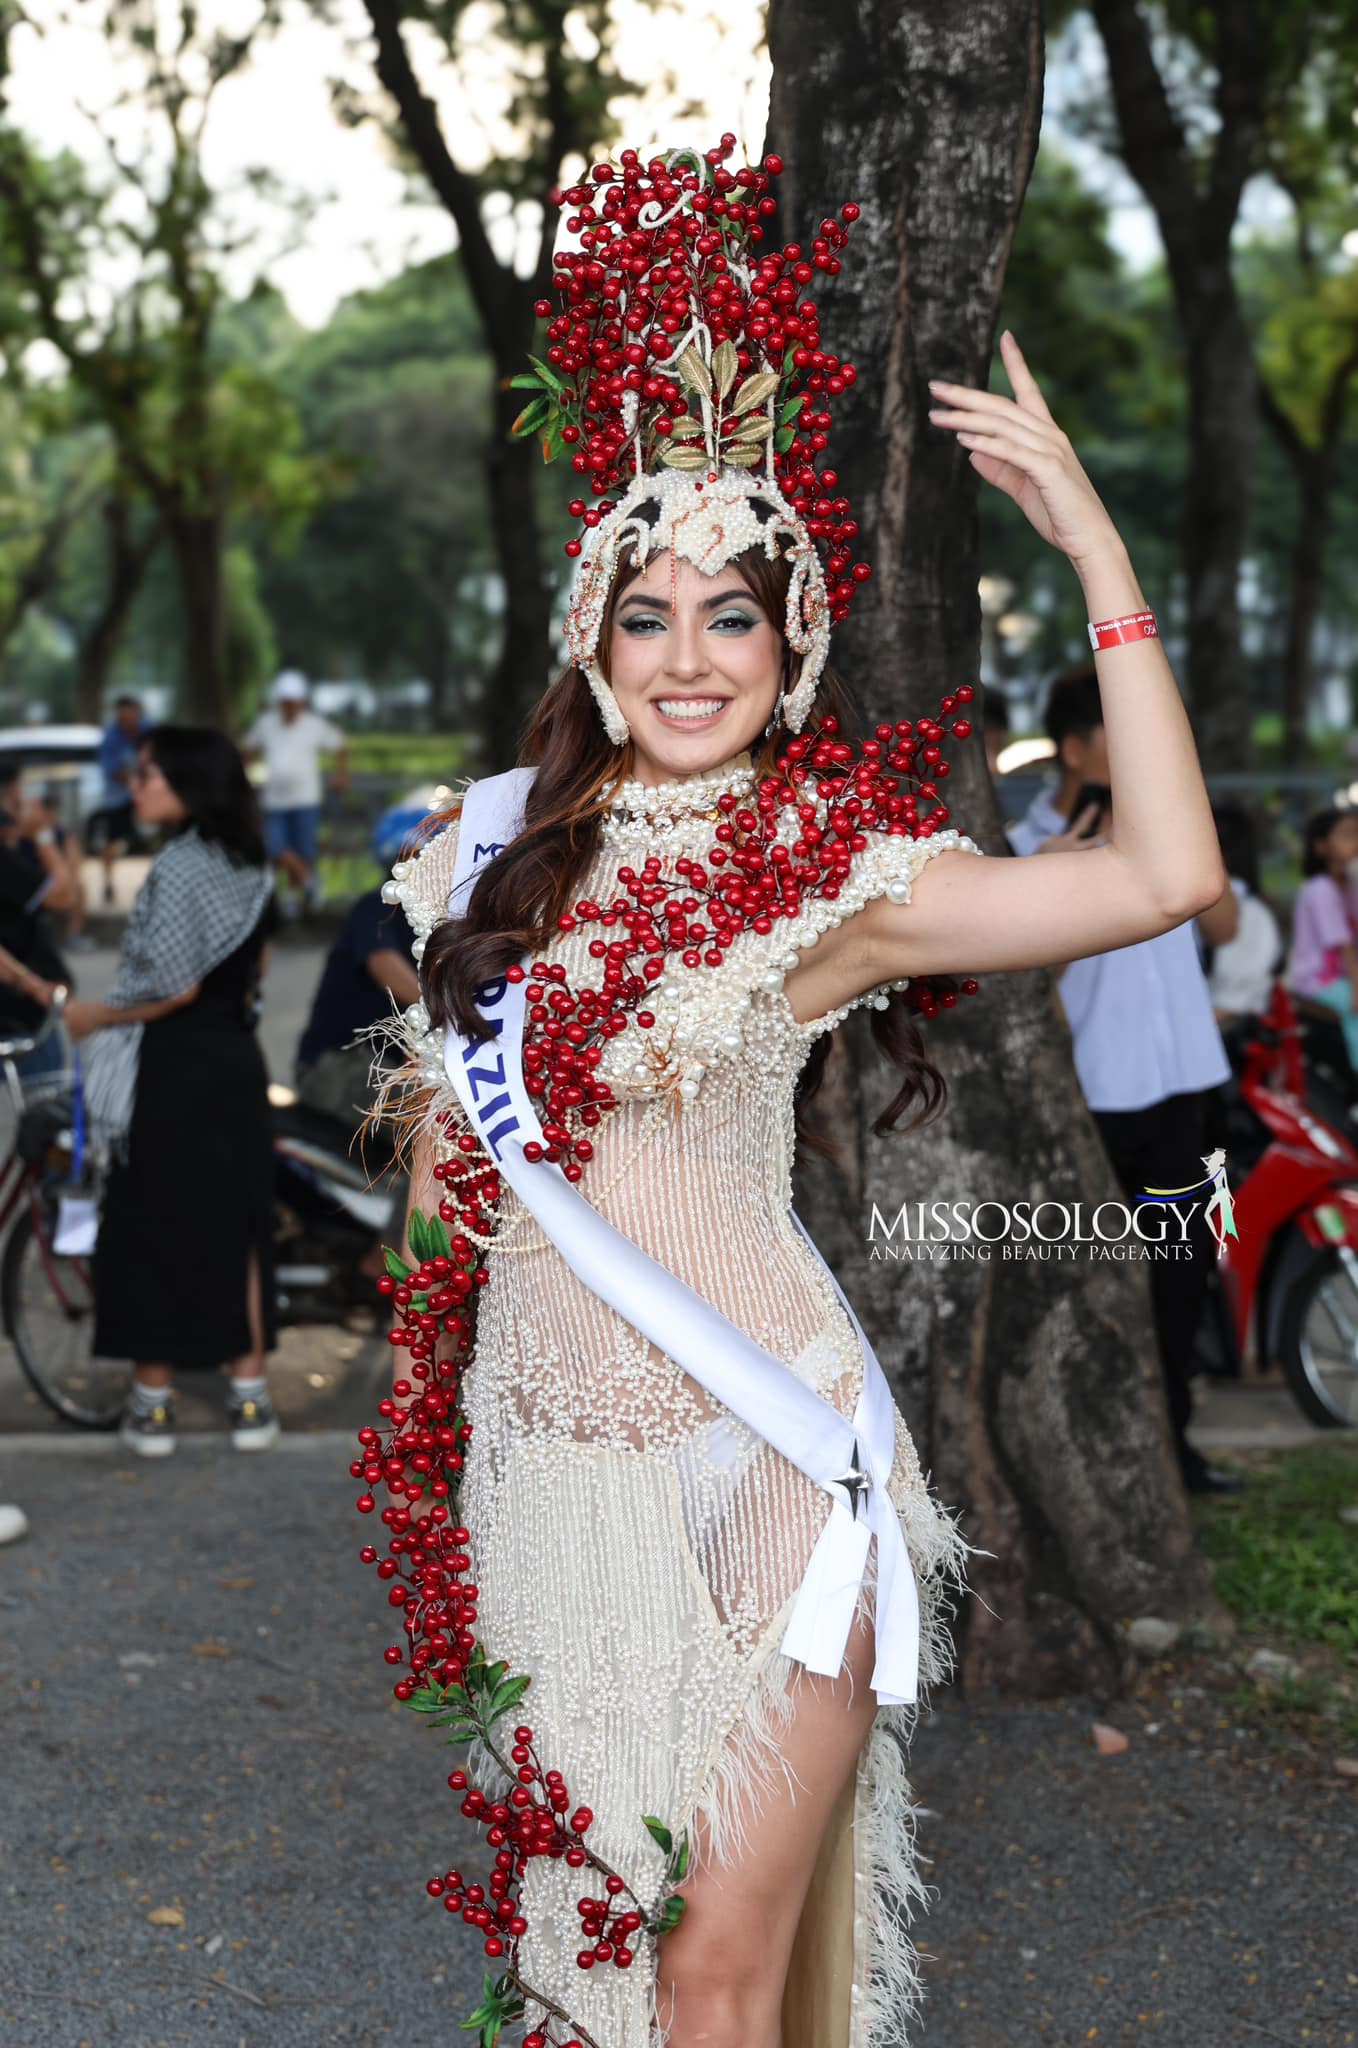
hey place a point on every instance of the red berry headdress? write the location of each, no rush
(685, 377)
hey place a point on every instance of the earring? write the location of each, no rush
(776, 718)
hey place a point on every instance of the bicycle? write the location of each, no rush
(47, 1295)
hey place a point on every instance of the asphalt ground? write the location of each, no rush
(217, 1824)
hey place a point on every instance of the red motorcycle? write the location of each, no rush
(1292, 1264)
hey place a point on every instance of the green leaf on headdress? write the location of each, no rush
(526, 380)
(792, 410)
(694, 372)
(784, 439)
(532, 418)
(755, 390)
(725, 363)
(757, 429)
(684, 458)
(548, 374)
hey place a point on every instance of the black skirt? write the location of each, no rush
(182, 1215)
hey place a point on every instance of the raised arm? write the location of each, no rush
(1161, 863)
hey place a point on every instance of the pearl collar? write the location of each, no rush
(660, 807)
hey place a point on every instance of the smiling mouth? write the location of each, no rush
(690, 710)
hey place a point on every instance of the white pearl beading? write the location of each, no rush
(656, 808)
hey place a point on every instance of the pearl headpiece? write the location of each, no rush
(708, 522)
(685, 376)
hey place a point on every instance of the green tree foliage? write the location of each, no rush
(392, 574)
(200, 436)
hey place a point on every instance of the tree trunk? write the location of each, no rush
(1195, 207)
(504, 303)
(197, 545)
(1313, 466)
(521, 671)
(128, 561)
(1032, 1389)
(1222, 431)
(1303, 608)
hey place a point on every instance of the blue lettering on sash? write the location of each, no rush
(493, 1073)
(480, 852)
(493, 1139)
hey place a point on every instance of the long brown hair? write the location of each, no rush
(520, 893)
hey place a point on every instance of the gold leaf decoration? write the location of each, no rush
(687, 429)
(754, 430)
(684, 458)
(724, 366)
(755, 390)
(740, 455)
(694, 372)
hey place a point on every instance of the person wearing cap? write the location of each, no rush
(290, 738)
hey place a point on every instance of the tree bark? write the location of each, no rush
(1314, 470)
(1196, 217)
(129, 558)
(1032, 1389)
(197, 544)
(504, 302)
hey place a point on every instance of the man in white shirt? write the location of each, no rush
(291, 738)
(1146, 1046)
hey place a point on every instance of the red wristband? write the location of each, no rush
(1117, 632)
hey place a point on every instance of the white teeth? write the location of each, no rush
(687, 707)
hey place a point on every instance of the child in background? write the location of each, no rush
(1323, 962)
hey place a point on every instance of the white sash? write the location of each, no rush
(850, 1459)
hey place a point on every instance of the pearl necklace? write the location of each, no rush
(648, 807)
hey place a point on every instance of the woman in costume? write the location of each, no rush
(659, 1541)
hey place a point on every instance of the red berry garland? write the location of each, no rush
(750, 878)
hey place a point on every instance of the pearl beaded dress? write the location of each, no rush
(636, 1546)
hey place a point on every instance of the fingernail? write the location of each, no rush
(936, 384)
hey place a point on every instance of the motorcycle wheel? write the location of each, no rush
(1318, 1346)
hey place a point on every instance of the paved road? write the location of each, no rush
(197, 1726)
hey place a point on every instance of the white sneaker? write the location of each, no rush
(13, 1523)
(149, 1433)
(254, 1426)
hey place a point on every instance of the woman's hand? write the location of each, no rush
(12, 971)
(1015, 444)
(81, 1018)
(1079, 835)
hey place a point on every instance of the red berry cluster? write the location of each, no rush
(420, 1463)
(664, 243)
